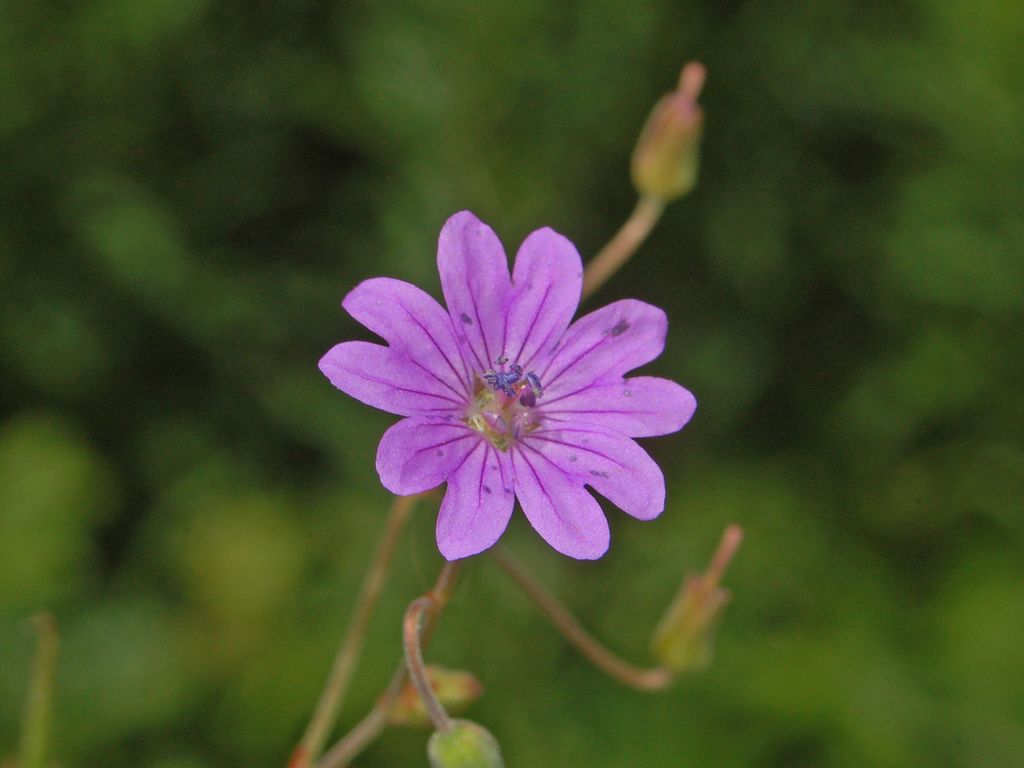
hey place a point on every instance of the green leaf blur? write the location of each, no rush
(190, 187)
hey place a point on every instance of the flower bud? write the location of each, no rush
(684, 639)
(466, 745)
(667, 153)
(454, 688)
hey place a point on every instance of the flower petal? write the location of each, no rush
(418, 454)
(643, 406)
(603, 346)
(385, 379)
(477, 507)
(546, 284)
(413, 324)
(560, 510)
(607, 461)
(476, 286)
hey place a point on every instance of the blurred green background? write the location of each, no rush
(188, 189)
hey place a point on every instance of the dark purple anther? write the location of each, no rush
(529, 397)
(503, 381)
(534, 381)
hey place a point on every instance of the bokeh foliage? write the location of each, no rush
(189, 187)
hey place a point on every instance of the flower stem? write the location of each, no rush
(623, 245)
(326, 712)
(367, 729)
(39, 704)
(411, 627)
(643, 679)
(371, 726)
(726, 551)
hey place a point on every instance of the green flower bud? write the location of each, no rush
(466, 745)
(667, 154)
(684, 640)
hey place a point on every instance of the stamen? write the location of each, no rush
(503, 420)
(534, 381)
(502, 380)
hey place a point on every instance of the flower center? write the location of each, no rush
(503, 404)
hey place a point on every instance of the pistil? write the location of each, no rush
(503, 405)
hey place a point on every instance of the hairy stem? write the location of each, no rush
(326, 712)
(411, 627)
(35, 729)
(623, 245)
(643, 679)
(371, 726)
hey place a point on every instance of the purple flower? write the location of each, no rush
(504, 399)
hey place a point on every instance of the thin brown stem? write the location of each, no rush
(326, 712)
(643, 679)
(373, 724)
(730, 542)
(35, 730)
(411, 626)
(623, 245)
(367, 729)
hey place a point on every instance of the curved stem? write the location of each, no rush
(643, 679)
(371, 726)
(326, 712)
(414, 663)
(623, 244)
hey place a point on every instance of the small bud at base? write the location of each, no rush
(684, 639)
(454, 688)
(466, 745)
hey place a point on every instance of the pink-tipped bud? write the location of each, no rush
(684, 640)
(667, 154)
(466, 745)
(454, 688)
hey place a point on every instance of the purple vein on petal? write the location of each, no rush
(443, 443)
(568, 522)
(554, 377)
(541, 347)
(465, 458)
(576, 447)
(464, 377)
(551, 401)
(411, 391)
(533, 323)
(559, 416)
(472, 515)
(480, 480)
(470, 343)
(483, 466)
(438, 379)
(507, 485)
(483, 335)
(641, 406)
(471, 294)
(558, 413)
